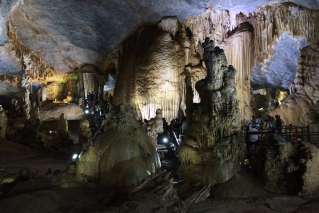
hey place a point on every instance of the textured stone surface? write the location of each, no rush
(123, 154)
(270, 37)
(212, 149)
(305, 100)
(281, 68)
(8, 62)
(288, 167)
(54, 112)
(245, 49)
(150, 73)
(67, 34)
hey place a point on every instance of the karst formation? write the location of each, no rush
(150, 106)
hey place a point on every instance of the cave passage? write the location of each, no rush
(159, 106)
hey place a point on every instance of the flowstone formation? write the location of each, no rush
(212, 149)
(151, 64)
(122, 156)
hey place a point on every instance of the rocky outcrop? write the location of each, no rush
(271, 21)
(54, 112)
(248, 40)
(212, 149)
(122, 156)
(289, 168)
(305, 95)
(273, 27)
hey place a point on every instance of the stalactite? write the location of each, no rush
(244, 49)
(239, 53)
(271, 21)
(150, 73)
(213, 24)
(35, 67)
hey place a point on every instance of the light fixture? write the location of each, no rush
(165, 140)
(75, 156)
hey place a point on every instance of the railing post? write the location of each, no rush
(308, 134)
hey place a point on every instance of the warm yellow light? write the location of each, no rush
(56, 78)
(281, 96)
(59, 78)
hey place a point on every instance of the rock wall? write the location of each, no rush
(289, 168)
(305, 99)
(271, 21)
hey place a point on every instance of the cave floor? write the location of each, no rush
(43, 194)
(15, 156)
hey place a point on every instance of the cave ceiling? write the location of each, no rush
(70, 33)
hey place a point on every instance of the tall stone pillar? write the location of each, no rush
(212, 149)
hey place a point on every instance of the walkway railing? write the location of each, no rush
(290, 133)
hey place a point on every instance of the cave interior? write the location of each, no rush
(159, 106)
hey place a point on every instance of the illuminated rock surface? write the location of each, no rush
(305, 100)
(156, 63)
(150, 73)
(123, 154)
(213, 148)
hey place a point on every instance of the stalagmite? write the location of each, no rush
(123, 155)
(213, 142)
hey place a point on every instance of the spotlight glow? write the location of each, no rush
(165, 140)
(75, 156)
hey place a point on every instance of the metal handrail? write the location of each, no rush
(290, 132)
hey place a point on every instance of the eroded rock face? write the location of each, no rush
(289, 168)
(248, 40)
(212, 149)
(123, 154)
(305, 97)
(99, 19)
(53, 112)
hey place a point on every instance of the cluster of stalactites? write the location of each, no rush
(270, 22)
(246, 47)
(238, 48)
(239, 51)
(33, 65)
(213, 24)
